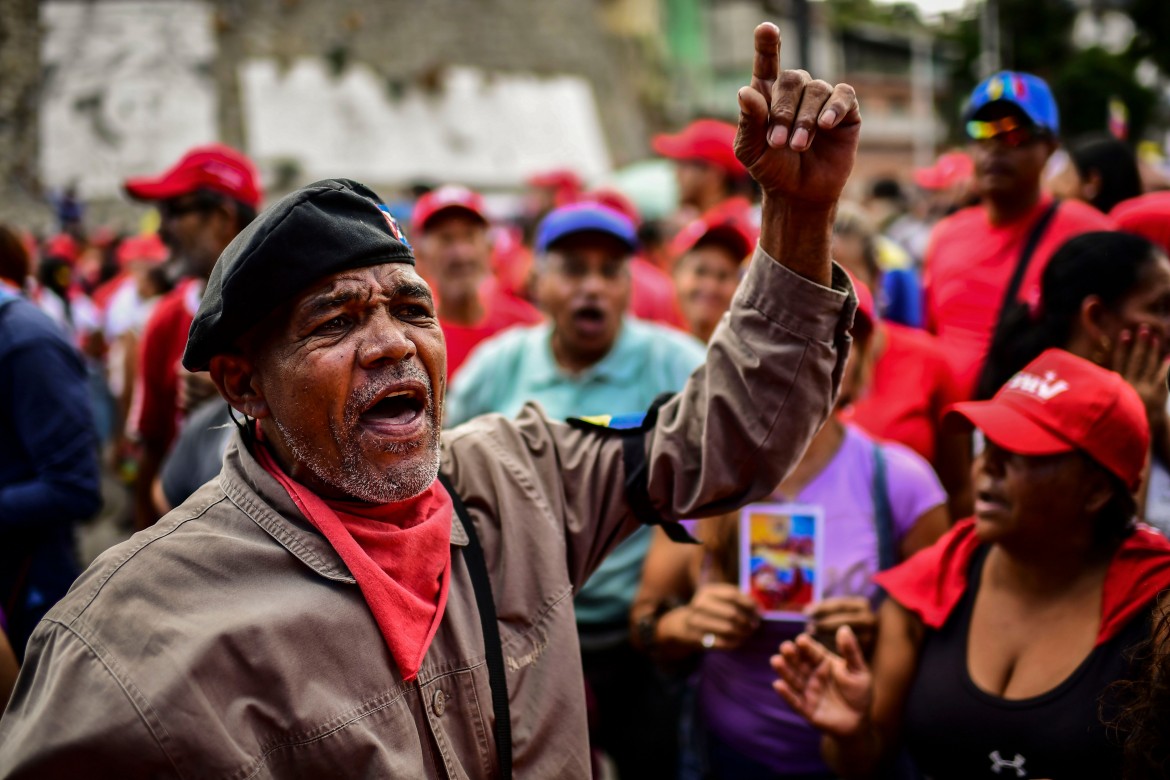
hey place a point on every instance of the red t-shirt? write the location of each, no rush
(501, 311)
(155, 413)
(912, 386)
(969, 263)
(653, 297)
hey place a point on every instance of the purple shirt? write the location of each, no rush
(735, 697)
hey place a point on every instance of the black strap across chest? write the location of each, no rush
(493, 648)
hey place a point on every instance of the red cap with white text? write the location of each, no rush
(1061, 403)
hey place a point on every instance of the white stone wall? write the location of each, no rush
(127, 89)
(480, 129)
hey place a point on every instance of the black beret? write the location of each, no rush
(327, 227)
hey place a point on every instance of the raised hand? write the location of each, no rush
(832, 692)
(797, 136)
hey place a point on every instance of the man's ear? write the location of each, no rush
(227, 223)
(235, 377)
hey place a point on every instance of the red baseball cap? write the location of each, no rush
(736, 233)
(214, 167)
(704, 140)
(1146, 215)
(63, 247)
(866, 308)
(142, 249)
(1061, 403)
(950, 169)
(445, 198)
(557, 179)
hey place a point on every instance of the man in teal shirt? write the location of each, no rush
(591, 359)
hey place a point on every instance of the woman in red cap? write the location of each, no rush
(1104, 296)
(996, 644)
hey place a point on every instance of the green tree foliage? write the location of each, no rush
(1036, 36)
(1152, 19)
(843, 13)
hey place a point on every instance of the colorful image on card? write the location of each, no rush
(780, 554)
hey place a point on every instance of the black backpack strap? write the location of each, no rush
(632, 429)
(987, 383)
(493, 648)
(1035, 235)
(883, 514)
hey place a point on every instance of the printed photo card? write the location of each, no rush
(781, 548)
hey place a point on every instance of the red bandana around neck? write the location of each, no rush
(931, 583)
(399, 553)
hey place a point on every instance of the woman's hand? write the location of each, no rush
(718, 616)
(832, 692)
(1139, 358)
(826, 618)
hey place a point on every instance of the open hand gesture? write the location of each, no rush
(832, 692)
(797, 136)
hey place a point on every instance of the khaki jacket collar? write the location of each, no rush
(261, 498)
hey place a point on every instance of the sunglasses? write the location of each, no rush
(1007, 131)
(169, 209)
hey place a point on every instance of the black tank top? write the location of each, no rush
(955, 730)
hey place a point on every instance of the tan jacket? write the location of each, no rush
(231, 641)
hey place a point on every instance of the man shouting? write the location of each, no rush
(358, 594)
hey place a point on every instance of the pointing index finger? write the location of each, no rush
(766, 66)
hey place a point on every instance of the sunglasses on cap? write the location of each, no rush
(1007, 131)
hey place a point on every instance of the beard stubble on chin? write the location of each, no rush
(356, 476)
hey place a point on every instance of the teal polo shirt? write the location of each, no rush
(517, 366)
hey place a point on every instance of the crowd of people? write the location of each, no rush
(466, 498)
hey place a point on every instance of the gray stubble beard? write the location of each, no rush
(357, 477)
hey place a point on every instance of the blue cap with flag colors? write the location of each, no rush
(585, 218)
(1027, 92)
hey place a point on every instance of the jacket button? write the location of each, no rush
(439, 703)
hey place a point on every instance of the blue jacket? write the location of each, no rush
(48, 460)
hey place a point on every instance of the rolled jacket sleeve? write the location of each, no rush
(747, 415)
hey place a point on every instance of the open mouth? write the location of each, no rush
(987, 503)
(397, 410)
(589, 319)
